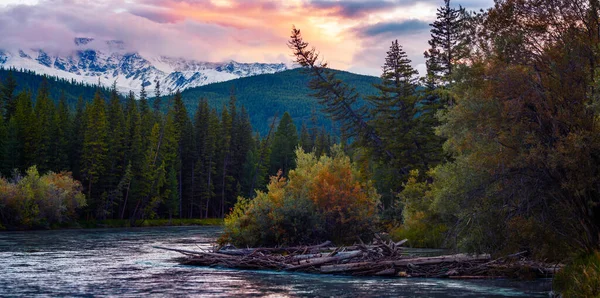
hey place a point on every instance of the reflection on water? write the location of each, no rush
(122, 262)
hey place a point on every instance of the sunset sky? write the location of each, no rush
(351, 35)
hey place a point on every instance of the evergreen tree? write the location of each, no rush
(135, 151)
(224, 147)
(44, 137)
(94, 153)
(305, 140)
(285, 141)
(27, 130)
(116, 149)
(241, 145)
(7, 96)
(12, 148)
(77, 138)
(3, 144)
(157, 98)
(448, 43)
(186, 152)
(62, 132)
(207, 129)
(338, 99)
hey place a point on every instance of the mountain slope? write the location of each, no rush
(110, 61)
(266, 95)
(263, 96)
(71, 90)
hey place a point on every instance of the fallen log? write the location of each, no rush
(379, 258)
(439, 260)
(247, 251)
(183, 251)
(320, 261)
(345, 267)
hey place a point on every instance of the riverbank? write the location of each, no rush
(124, 223)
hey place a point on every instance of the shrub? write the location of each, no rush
(324, 198)
(39, 201)
(421, 225)
(581, 278)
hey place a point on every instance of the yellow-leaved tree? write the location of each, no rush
(325, 198)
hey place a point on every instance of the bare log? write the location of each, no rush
(183, 251)
(325, 260)
(439, 260)
(346, 267)
(247, 251)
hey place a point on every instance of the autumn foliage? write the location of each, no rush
(35, 201)
(324, 198)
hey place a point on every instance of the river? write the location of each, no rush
(122, 262)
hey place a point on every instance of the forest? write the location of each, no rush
(130, 159)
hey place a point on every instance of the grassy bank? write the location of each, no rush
(118, 223)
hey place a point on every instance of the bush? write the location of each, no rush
(323, 199)
(581, 278)
(421, 225)
(36, 201)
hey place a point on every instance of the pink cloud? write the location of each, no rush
(244, 30)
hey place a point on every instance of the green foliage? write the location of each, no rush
(284, 143)
(35, 201)
(448, 44)
(324, 198)
(263, 96)
(581, 278)
(16, 81)
(421, 225)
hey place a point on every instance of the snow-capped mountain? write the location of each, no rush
(109, 61)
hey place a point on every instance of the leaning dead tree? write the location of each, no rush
(381, 258)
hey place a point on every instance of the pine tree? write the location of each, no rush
(77, 138)
(157, 98)
(7, 94)
(62, 132)
(134, 154)
(12, 147)
(241, 145)
(224, 147)
(337, 98)
(404, 120)
(186, 152)
(27, 130)
(305, 140)
(3, 144)
(207, 129)
(285, 141)
(94, 153)
(449, 40)
(116, 149)
(44, 138)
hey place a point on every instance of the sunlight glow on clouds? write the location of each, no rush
(350, 34)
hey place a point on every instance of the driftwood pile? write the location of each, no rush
(382, 258)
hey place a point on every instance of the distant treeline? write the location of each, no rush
(71, 90)
(137, 162)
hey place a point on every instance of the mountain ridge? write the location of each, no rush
(91, 61)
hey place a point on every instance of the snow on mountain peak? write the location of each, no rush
(110, 61)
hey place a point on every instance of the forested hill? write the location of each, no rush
(262, 95)
(72, 90)
(270, 94)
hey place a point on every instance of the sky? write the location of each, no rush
(351, 35)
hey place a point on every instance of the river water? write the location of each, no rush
(122, 262)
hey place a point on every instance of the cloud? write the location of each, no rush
(350, 34)
(353, 9)
(392, 28)
(157, 15)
